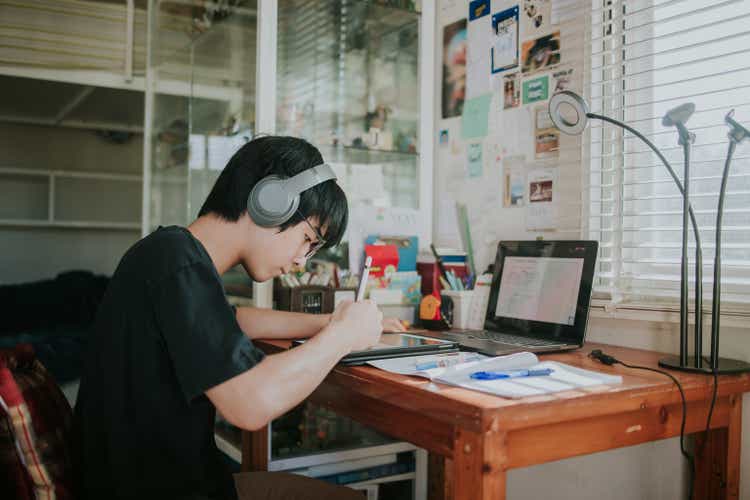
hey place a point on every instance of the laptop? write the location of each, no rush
(539, 299)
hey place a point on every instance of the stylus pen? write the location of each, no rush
(363, 281)
(510, 374)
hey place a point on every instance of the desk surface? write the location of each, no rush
(497, 434)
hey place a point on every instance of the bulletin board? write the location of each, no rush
(498, 153)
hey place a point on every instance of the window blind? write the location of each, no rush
(646, 57)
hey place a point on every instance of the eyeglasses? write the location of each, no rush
(314, 246)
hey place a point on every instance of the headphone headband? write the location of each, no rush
(274, 199)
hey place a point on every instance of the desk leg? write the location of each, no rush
(717, 460)
(255, 450)
(477, 470)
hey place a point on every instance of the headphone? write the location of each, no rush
(275, 198)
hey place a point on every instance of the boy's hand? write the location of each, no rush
(393, 325)
(357, 324)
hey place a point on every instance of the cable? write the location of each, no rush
(611, 360)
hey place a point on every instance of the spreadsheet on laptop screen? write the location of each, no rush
(540, 289)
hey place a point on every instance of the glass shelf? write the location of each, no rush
(351, 154)
(310, 429)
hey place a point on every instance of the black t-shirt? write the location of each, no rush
(163, 335)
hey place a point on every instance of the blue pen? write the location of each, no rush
(511, 374)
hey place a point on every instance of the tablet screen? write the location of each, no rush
(395, 340)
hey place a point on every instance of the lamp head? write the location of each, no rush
(738, 132)
(679, 115)
(568, 112)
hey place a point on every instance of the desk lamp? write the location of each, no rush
(570, 115)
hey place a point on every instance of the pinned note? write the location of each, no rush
(475, 117)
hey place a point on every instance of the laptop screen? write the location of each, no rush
(542, 289)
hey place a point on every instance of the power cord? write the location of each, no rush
(611, 360)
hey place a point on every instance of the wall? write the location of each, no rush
(33, 253)
(645, 472)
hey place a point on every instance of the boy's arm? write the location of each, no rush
(272, 324)
(264, 323)
(281, 381)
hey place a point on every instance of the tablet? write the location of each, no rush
(397, 345)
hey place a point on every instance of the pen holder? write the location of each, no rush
(461, 306)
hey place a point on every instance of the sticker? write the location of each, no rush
(536, 89)
(444, 139)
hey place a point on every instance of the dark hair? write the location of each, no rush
(287, 156)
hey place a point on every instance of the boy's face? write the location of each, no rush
(276, 252)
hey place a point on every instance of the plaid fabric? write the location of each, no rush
(35, 426)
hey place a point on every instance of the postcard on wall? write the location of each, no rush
(536, 89)
(540, 214)
(474, 160)
(454, 68)
(512, 91)
(561, 80)
(504, 50)
(478, 80)
(546, 135)
(514, 181)
(444, 138)
(540, 53)
(536, 17)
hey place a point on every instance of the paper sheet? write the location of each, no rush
(540, 215)
(474, 160)
(474, 122)
(478, 55)
(504, 50)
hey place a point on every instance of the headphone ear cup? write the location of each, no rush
(270, 204)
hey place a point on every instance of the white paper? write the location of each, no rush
(366, 182)
(478, 81)
(564, 10)
(365, 220)
(541, 197)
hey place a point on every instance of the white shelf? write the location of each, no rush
(410, 476)
(71, 174)
(337, 456)
(31, 223)
(232, 450)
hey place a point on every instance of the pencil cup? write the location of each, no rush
(461, 306)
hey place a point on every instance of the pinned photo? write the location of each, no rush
(454, 68)
(512, 91)
(444, 138)
(546, 136)
(540, 191)
(540, 53)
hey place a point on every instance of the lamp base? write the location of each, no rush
(726, 366)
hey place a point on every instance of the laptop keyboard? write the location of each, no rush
(507, 338)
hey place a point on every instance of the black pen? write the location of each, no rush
(439, 261)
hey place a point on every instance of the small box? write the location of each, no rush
(313, 299)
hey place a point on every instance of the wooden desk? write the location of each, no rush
(474, 438)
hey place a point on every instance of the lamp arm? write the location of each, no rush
(664, 161)
(698, 247)
(716, 303)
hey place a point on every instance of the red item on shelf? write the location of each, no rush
(384, 259)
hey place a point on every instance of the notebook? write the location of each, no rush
(563, 377)
(538, 300)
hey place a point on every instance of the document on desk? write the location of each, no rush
(562, 377)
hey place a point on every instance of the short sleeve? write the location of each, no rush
(199, 327)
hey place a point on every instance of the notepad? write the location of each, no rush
(563, 377)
